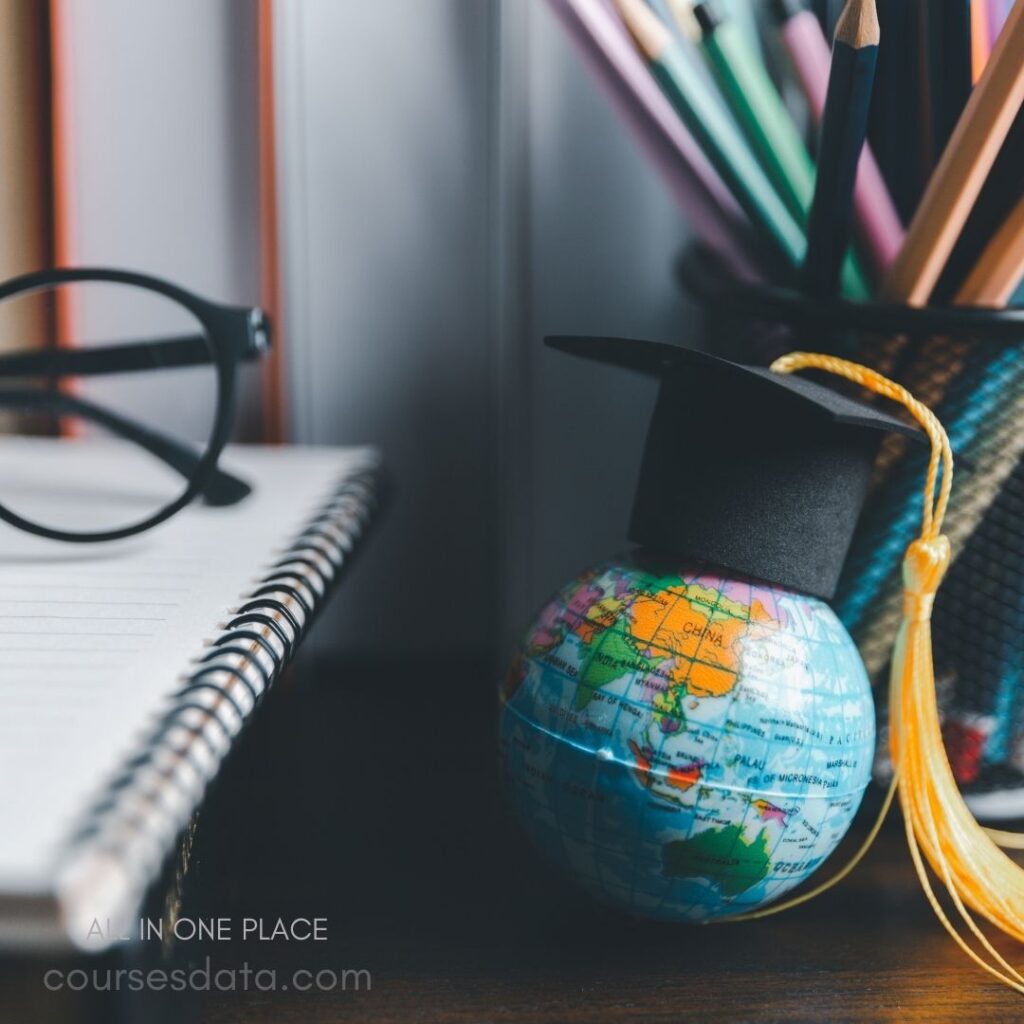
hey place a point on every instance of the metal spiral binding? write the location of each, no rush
(150, 799)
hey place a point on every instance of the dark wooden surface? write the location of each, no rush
(370, 797)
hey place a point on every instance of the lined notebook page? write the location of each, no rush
(95, 638)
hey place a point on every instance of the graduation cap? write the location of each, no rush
(759, 473)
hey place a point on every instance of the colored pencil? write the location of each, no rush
(947, 72)
(961, 173)
(696, 186)
(759, 109)
(878, 223)
(673, 13)
(844, 127)
(767, 123)
(997, 12)
(1000, 270)
(998, 198)
(700, 109)
(684, 18)
(981, 38)
(898, 107)
(744, 13)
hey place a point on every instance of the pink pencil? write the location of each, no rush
(997, 12)
(878, 223)
(700, 192)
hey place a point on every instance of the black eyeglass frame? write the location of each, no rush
(233, 334)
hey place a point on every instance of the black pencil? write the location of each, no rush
(897, 109)
(947, 73)
(844, 128)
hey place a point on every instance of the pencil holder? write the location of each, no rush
(967, 364)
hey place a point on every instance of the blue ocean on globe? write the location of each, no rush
(684, 745)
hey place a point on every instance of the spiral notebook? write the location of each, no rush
(128, 669)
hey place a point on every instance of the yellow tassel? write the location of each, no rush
(941, 831)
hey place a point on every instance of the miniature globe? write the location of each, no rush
(686, 746)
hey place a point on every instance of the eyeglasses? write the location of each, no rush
(117, 396)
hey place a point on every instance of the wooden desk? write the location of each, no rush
(367, 799)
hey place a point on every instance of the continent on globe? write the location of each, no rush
(721, 855)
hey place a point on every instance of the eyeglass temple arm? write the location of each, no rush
(221, 489)
(158, 354)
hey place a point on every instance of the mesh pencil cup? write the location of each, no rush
(967, 364)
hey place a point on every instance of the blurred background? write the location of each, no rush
(417, 192)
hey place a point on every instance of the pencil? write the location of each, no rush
(694, 183)
(1000, 270)
(879, 226)
(981, 38)
(711, 126)
(844, 127)
(744, 13)
(961, 173)
(769, 128)
(673, 14)
(758, 108)
(998, 198)
(997, 11)
(684, 18)
(898, 81)
(947, 75)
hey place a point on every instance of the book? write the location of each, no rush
(128, 669)
(24, 168)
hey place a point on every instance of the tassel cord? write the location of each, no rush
(941, 832)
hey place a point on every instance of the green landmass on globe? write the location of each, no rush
(721, 855)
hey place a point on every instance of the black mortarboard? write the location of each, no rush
(760, 473)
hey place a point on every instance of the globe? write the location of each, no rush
(685, 745)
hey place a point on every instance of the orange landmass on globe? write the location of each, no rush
(642, 771)
(682, 778)
(686, 777)
(702, 629)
